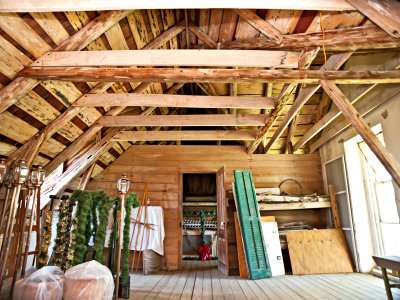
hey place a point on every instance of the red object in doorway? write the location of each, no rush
(204, 252)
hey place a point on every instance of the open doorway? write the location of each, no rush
(199, 214)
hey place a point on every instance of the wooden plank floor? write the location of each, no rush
(201, 280)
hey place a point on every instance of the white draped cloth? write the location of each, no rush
(153, 239)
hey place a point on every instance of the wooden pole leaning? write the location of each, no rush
(19, 173)
(123, 187)
(36, 181)
(21, 237)
(138, 217)
(143, 232)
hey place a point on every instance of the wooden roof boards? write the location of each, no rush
(44, 114)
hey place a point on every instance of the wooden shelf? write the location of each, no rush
(199, 203)
(293, 205)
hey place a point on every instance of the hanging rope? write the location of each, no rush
(323, 37)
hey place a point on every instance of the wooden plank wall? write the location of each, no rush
(160, 167)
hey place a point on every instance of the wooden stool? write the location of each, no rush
(392, 263)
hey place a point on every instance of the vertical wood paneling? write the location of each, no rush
(160, 167)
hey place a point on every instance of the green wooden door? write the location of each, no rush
(255, 250)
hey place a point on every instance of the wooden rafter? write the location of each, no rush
(209, 75)
(175, 101)
(353, 96)
(365, 105)
(334, 62)
(20, 86)
(184, 120)
(198, 135)
(202, 35)
(363, 37)
(384, 13)
(260, 24)
(92, 130)
(362, 128)
(77, 5)
(306, 57)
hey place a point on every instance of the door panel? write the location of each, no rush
(222, 232)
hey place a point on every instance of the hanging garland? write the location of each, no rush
(43, 256)
(131, 201)
(80, 222)
(202, 214)
(61, 242)
(203, 250)
(104, 205)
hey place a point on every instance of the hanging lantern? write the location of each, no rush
(20, 172)
(123, 184)
(3, 170)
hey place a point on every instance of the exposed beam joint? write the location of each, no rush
(384, 13)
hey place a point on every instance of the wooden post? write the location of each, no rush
(86, 177)
(335, 211)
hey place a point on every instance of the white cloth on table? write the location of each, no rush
(153, 239)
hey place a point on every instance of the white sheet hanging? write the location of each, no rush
(153, 239)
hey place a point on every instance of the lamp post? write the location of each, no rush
(19, 174)
(123, 187)
(36, 178)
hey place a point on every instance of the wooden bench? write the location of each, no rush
(392, 263)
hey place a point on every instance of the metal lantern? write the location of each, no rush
(123, 184)
(20, 172)
(37, 176)
(3, 169)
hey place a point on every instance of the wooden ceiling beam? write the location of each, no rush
(198, 135)
(175, 101)
(20, 86)
(355, 94)
(362, 128)
(334, 62)
(384, 13)
(170, 58)
(305, 60)
(186, 75)
(362, 37)
(376, 97)
(78, 5)
(184, 120)
(260, 24)
(92, 130)
(202, 35)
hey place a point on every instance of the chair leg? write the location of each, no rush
(387, 286)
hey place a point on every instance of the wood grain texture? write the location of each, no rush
(321, 251)
(208, 75)
(159, 167)
(260, 24)
(175, 101)
(183, 120)
(209, 58)
(189, 135)
(384, 13)
(77, 5)
(362, 37)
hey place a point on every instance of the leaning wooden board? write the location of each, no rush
(321, 251)
(240, 250)
(249, 220)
